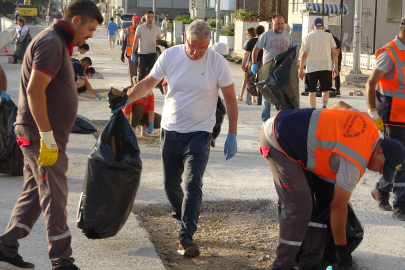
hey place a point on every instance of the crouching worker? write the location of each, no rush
(80, 82)
(337, 144)
(141, 113)
(79, 67)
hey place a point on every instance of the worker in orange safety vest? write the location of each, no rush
(126, 49)
(385, 92)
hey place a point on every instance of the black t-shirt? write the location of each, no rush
(77, 67)
(249, 46)
(338, 46)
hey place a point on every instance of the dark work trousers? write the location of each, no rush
(138, 117)
(132, 69)
(385, 185)
(44, 190)
(337, 78)
(146, 63)
(185, 156)
(297, 232)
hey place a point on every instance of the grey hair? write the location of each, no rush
(402, 28)
(198, 30)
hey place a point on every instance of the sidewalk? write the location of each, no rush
(245, 177)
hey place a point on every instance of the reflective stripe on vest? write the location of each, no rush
(130, 39)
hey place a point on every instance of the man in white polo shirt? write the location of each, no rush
(195, 74)
(146, 35)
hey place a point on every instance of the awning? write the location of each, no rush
(330, 9)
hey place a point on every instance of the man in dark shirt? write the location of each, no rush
(80, 68)
(339, 51)
(46, 113)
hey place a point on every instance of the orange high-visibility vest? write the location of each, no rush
(394, 88)
(350, 134)
(130, 39)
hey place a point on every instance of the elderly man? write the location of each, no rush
(274, 42)
(387, 111)
(126, 49)
(146, 35)
(317, 48)
(336, 144)
(195, 74)
(46, 113)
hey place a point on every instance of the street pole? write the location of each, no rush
(218, 26)
(154, 10)
(375, 25)
(357, 38)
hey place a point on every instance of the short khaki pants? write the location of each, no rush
(112, 37)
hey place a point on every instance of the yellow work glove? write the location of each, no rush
(376, 118)
(48, 153)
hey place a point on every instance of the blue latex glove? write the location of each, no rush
(133, 57)
(254, 69)
(98, 96)
(120, 108)
(5, 96)
(230, 147)
(150, 129)
(12, 42)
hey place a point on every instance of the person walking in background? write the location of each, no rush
(339, 52)
(16, 14)
(250, 77)
(20, 31)
(316, 51)
(164, 27)
(250, 33)
(47, 19)
(385, 98)
(112, 32)
(146, 35)
(47, 110)
(195, 74)
(274, 42)
(126, 49)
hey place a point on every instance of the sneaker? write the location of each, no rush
(399, 212)
(382, 199)
(188, 248)
(248, 99)
(69, 267)
(7, 263)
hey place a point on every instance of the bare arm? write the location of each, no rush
(301, 72)
(136, 40)
(3, 81)
(159, 38)
(335, 54)
(338, 214)
(244, 61)
(255, 52)
(15, 36)
(87, 84)
(371, 84)
(142, 88)
(231, 107)
(151, 117)
(37, 85)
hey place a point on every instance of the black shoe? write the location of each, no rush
(323, 107)
(337, 93)
(69, 267)
(7, 263)
(15, 61)
(382, 199)
(399, 212)
(188, 248)
(303, 93)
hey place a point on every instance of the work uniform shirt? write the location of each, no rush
(318, 45)
(348, 174)
(147, 40)
(274, 44)
(48, 52)
(78, 68)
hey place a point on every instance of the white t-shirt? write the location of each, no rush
(164, 24)
(193, 88)
(21, 31)
(47, 18)
(318, 45)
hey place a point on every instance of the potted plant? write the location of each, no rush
(253, 15)
(228, 35)
(241, 14)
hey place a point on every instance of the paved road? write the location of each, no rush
(244, 177)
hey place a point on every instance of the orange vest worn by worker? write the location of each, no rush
(310, 136)
(130, 39)
(391, 98)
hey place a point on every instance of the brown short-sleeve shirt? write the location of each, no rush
(49, 52)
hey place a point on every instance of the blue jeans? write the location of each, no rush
(185, 156)
(386, 185)
(266, 106)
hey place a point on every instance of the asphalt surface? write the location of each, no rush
(244, 177)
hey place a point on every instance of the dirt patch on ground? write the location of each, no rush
(231, 235)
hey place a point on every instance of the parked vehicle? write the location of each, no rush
(124, 25)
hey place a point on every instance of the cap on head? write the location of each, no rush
(394, 153)
(136, 17)
(318, 22)
(221, 48)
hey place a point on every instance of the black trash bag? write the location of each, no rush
(219, 115)
(82, 126)
(22, 44)
(117, 98)
(112, 179)
(11, 157)
(278, 81)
